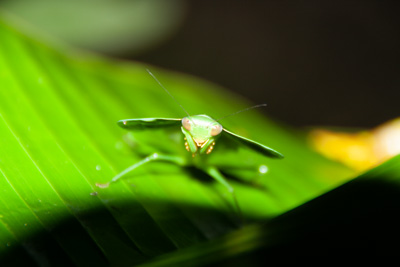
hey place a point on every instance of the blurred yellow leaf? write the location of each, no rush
(362, 150)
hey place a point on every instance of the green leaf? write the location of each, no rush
(58, 138)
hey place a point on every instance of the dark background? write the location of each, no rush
(314, 62)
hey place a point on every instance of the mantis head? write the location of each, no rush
(200, 132)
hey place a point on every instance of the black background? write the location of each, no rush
(313, 62)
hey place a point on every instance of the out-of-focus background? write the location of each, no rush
(325, 63)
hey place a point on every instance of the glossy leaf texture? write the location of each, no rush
(58, 138)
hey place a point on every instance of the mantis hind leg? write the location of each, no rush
(150, 158)
(215, 173)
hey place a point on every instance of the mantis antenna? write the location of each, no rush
(162, 86)
(256, 106)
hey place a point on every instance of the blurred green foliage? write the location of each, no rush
(109, 26)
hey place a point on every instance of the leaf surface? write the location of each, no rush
(58, 138)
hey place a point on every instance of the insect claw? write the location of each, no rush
(209, 150)
(102, 185)
(187, 146)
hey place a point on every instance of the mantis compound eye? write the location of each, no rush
(186, 123)
(216, 129)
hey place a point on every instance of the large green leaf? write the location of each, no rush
(58, 138)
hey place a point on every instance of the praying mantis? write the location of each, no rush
(201, 134)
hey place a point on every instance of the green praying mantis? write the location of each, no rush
(201, 135)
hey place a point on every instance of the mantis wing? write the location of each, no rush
(148, 123)
(266, 151)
